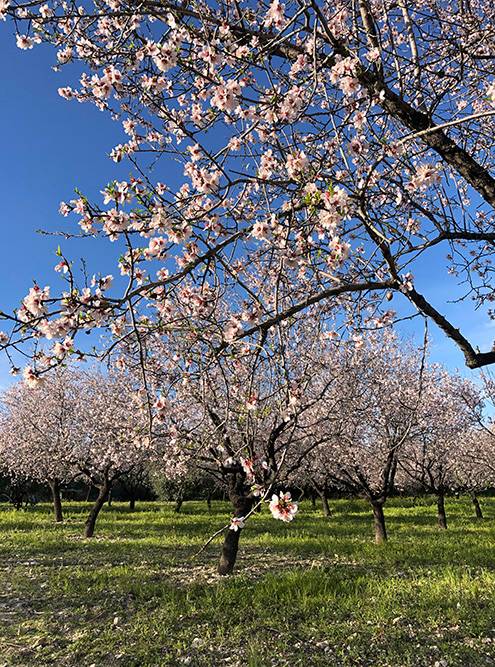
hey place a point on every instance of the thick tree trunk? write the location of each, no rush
(477, 506)
(57, 500)
(103, 494)
(379, 523)
(441, 516)
(326, 507)
(132, 504)
(242, 505)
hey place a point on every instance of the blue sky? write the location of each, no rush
(49, 146)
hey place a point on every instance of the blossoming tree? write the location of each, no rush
(246, 419)
(115, 436)
(435, 458)
(39, 430)
(88, 425)
(377, 400)
(339, 143)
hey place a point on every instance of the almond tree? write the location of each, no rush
(339, 143)
(115, 436)
(40, 429)
(90, 425)
(378, 399)
(474, 470)
(434, 458)
(238, 420)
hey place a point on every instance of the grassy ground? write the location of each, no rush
(316, 592)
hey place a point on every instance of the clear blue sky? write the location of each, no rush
(49, 146)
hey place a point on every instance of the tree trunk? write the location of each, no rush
(132, 504)
(178, 503)
(90, 486)
(208, 502)
(242, 505)
(477, 506)
(109, 498)
(57, 500)
(313, 500)
(103, 494)
(379, 523)
(441, 516)
(326, 507)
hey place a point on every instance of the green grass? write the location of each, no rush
(315, 592)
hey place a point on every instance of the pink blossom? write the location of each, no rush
(35, 302)
(24, 42)
(31, 378)
(166, 57)
(45, 11)
(226, 96)
(407, 282)
(4, 5)
(425, 176)
(64, 209)
(296, 164)
(268, 165)
(62, 266)
(282, 507)
(237, 522)
(275, 15)
(261, 230)
(232, 330)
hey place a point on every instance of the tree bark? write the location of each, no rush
(90, 486)
(379, 522)
(313, 500)
(57, 500)
(178, 503)
(103, 493)
(109, 498)
(441, 516)
(242, 504)
(327, 512)
(132, 504)
(208, 502)
(477, 506)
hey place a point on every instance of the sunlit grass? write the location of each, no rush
(315, 592)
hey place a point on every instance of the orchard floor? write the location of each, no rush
(314, 592)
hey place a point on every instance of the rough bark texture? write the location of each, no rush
(242, 504)
(379, 523)
(103, 493)
(441, 516)
(326, 507)
(57, 500)
(477, 506)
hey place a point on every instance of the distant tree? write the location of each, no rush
(39, 431)
(434, 458)
(377, 401)
(115, 440)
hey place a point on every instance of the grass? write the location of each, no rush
(315, 592)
